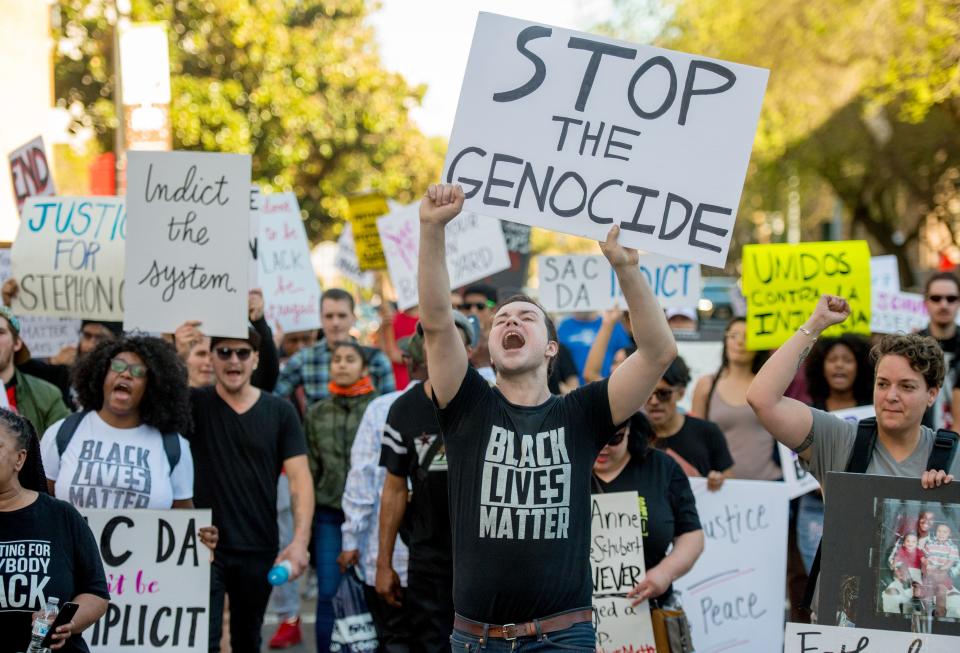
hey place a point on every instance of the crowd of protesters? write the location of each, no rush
(330, 454)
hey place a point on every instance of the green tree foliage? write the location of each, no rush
(298, 84)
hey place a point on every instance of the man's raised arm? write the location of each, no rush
(440, 205)
(634, 380)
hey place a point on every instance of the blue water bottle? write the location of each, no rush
(280, 573)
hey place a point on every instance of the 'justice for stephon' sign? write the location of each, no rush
(575, 133)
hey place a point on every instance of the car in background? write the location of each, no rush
(720, 299)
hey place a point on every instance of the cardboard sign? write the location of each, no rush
(45, 336)
(291, 293)
(588, 283)
(898, 312)
(616, 559)
(186, 238)
(68, 257)
(158, 575)
(798, 480)
(364, 211)
(734, 593)
(254, 244)
(475, 249)
(30, 172)
(576, 132)
(346, 260)
(884, 274)
(807, 638)
(782, 284)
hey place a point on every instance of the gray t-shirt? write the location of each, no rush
(833, 440)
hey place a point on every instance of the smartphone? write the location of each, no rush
(66, 613)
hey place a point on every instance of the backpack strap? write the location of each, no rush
(67, 429)
(857, 464)
(944, 449)
(171, 447)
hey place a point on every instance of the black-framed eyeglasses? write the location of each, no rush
(120, 366)
(950, 299)
(224, 353)
(466, 306)
(662, 395)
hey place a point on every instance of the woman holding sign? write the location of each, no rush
(668, 509)
(47, 549)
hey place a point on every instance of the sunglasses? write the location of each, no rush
(663, 394)
(951, 299)
(477, 305)
(617, 438)
(224, 353)
(120, 366)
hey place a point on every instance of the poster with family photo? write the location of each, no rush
(891, 555)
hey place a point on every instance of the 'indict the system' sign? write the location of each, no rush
(576, 133)
(569, 284)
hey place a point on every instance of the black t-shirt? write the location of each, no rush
(700, 443)
(237, 461)
(520, 499)
(563, 369)
(667, 506)
(46, 550)
(411, 429)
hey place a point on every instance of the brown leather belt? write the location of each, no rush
(529, 629)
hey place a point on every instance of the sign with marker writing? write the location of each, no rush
(616, 560)
(189, 216)
(346, 259)
(364, 211)
(254, 244)
(782, 284)
(576, 132)
(68, 257)
(733, 596)
(291, 293)
(588, 283)
(896, 312)
(807, 638)
(884, 273)
(158, 575)
(45, 336)
(30, 172)
(475, 249)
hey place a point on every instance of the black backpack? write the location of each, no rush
(171, 441)
(941, 457)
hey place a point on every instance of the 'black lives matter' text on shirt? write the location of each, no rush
(520, 499)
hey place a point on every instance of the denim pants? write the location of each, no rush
(285, 599)
(579, 638)
(326, 547)
(809, 527)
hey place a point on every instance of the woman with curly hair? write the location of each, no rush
(125, 450)
(840, 373)
(47, 545)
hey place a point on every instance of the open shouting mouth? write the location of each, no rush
(513, 340)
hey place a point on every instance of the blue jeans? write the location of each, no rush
(326, 548)
(285, 599)
(578, 638)
(809, 527)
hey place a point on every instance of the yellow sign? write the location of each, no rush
(782, 284)
(364, 211)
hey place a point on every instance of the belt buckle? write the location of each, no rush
(503, 629)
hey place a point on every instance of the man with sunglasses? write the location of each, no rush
(479, 302)
(242, 438)
(941, 296)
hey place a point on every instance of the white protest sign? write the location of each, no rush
(30, 172)
(884, 274)
(895, 312)
(158, 575)
(68, 257)
(346, 260)
(45, 336)
(187, 239)
(734, 593)
(254, 243)
(291, 292)
(702, 358)
(475, 249)
(814, 638)
(576, 132)
(616, 558)
(568, 284)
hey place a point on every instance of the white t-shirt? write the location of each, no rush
(107, 467)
